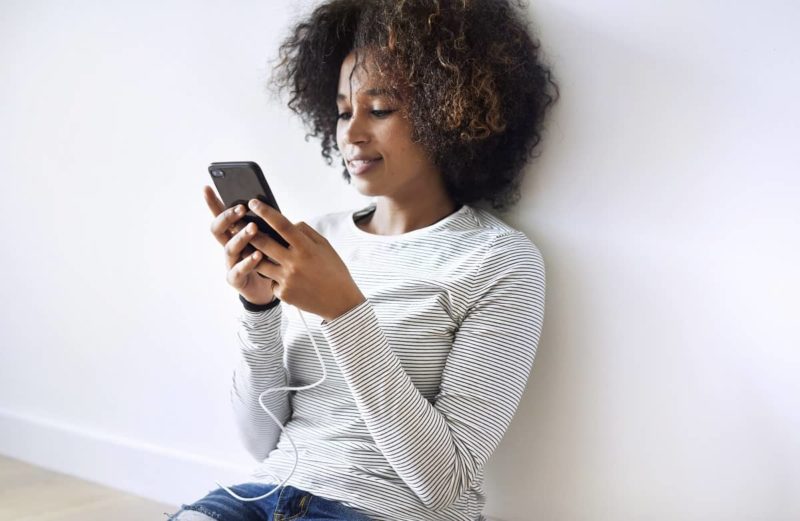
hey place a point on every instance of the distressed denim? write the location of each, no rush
(289, 504)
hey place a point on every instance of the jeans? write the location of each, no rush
(289, 504)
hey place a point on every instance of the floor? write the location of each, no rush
(30, 493)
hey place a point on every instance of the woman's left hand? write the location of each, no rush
(309, 274)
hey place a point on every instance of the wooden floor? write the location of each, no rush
(29, 493)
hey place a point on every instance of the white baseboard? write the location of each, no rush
(150, 471)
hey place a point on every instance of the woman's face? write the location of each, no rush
(374, 138)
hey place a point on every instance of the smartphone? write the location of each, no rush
(239, 181)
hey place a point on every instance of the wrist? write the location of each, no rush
(250, 306)
(347, 306)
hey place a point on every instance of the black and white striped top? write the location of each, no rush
(423, 377)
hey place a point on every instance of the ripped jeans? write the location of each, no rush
(289, 504)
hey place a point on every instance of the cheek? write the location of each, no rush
(409, 151)
(339, 135)
(397, 138)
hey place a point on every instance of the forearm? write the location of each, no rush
(260, 368)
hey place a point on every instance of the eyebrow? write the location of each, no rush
(375, 92)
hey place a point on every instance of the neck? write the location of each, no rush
(392, 218)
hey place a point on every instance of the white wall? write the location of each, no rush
(665, 204)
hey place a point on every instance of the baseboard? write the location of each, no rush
(150, 471)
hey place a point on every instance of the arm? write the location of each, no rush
(439, 449)
(260, 367)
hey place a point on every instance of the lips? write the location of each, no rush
(360, 164)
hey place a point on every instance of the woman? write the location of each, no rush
(430, 308)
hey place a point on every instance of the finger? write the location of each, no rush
(226, 224)
(268, 269)
(311, 233)
(279, 223)
(270, 247)
(237, 275)
(214, 204)
(235, 246)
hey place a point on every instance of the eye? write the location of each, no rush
(381, 113)
(344, 116)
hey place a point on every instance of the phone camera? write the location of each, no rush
(218, 173)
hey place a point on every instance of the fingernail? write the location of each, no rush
(254, 203)
(238, 209)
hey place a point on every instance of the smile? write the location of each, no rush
(360, 166)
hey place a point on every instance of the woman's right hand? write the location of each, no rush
(240, 257)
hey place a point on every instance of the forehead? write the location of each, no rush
(359, 76)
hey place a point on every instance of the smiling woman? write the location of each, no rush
(374, 134)
(430, 308)
(467, 74)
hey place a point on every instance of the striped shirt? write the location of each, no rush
(423, 377)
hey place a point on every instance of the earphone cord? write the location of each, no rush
(278, 423)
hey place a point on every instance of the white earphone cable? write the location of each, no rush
(278, 423)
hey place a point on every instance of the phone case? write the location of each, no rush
(239, 181)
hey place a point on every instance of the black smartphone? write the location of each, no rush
(239, 181)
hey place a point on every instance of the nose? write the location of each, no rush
(356, 129)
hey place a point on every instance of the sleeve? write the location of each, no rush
(260, 367)
(440, 448)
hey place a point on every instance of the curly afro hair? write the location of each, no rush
(477, 90)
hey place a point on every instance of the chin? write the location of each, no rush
(366, 189)
(367, 192)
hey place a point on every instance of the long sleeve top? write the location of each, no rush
(423, 377)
